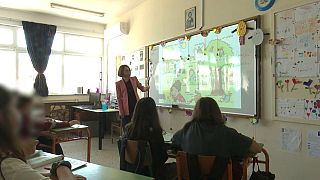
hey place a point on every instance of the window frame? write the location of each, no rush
(17, 50)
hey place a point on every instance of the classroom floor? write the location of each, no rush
(108, 156)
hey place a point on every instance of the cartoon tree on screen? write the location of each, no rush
(218, 53)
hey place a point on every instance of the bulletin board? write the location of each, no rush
(297, 70)
(137, 62)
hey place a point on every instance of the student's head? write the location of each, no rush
(124, 71)
(24, 104)
(208, 111)
(189, 14)
(145, 119)
(8, 125)
(175, 88)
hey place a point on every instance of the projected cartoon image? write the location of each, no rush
(189, 70)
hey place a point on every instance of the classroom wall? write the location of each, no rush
(155, 20)
(14, 17)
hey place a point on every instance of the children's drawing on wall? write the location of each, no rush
(312, 109)
(290, 108)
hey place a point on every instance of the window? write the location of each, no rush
(53, 74)
(83, 44)
(8, 69)
(26, 73)
(85, 74)
(75, 61)
(21, 41)
(6, 36)
(58, 42)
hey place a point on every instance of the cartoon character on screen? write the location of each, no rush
(175, 92)
(192, 76)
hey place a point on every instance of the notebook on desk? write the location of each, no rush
(42, 162)
(40, 158)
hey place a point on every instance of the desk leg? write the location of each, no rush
(100, 133)
(89, 145)
(53, 148)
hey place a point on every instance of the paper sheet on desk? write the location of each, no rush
(313, 143)
(291, 139)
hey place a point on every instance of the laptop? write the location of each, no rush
(94, 101)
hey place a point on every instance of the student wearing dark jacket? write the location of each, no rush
(207, 134)
(145, 126)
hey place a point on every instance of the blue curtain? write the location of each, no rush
(39, 39)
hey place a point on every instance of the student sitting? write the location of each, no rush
(145, 126)
(34, 123)
(13, 150)
(207, 134)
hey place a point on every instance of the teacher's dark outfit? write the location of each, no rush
(127, 97)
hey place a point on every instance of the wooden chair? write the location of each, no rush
(131, 153)
(205, 164)
(247, 161)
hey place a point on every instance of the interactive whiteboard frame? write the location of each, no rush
(257, 112)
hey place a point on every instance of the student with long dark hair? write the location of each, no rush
(145, 125)
(13, 151)
(207, 134)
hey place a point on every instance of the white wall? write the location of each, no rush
(10, 16)
(155, 20)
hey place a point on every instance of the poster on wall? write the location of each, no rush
(313, 143)
(291, 139)
(136, 61)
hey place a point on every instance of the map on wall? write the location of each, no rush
(216, 66)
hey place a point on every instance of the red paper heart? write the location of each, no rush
(308, 114)
(286, 81)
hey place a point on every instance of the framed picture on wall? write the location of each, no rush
(190, 18)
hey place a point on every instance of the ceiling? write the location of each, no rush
(111, 8)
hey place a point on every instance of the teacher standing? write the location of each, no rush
(127, 93)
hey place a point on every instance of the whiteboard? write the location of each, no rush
(216, 66)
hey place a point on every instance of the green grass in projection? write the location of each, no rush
(201, 67)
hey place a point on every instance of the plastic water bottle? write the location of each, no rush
(104, 106)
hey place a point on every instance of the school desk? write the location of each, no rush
(102, 121)
(76, 132)
(97, 172)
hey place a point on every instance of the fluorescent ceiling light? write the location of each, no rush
(69, 8)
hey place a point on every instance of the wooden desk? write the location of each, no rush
(97, 172)
(76, 132)
(100, 119)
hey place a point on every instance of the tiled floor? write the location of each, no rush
(108, 156)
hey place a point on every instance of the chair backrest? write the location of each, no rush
(205, 164)
(247, 161)
(131, 153)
